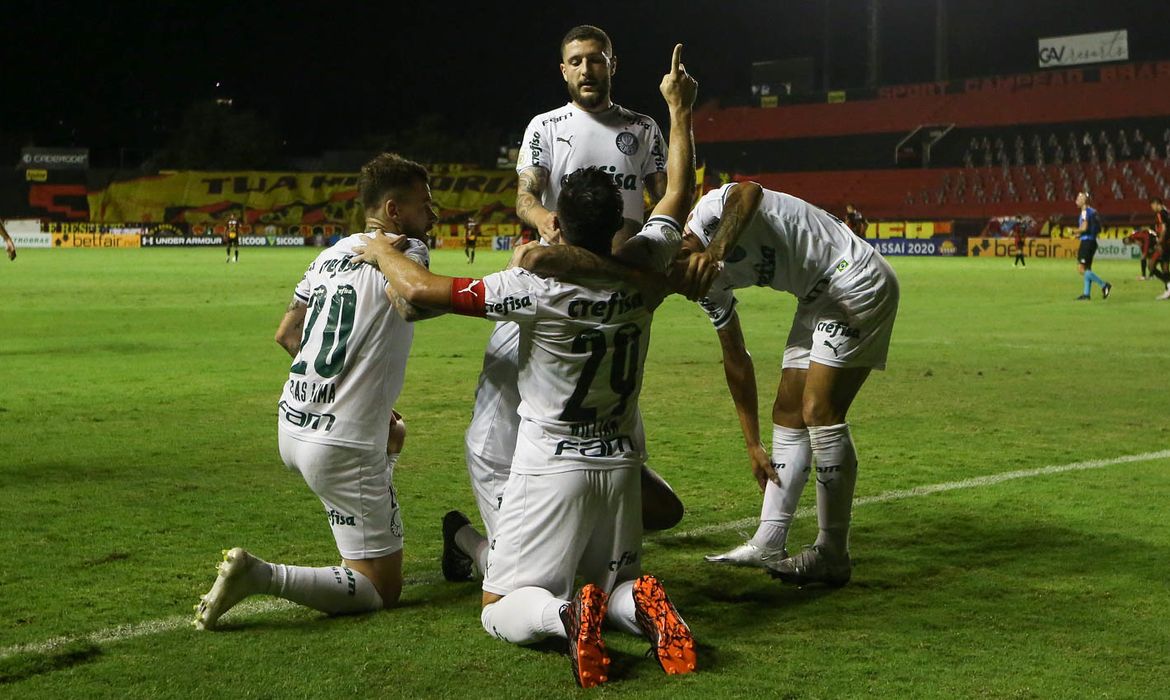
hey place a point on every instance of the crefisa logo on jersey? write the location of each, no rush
(627, 143)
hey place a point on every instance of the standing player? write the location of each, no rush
(1160, 262)
(469, 240)
(848, 299)
(233, 238)
(9, 246)
(572, 504)
(336, 422)
(589, 131)
(1018, 244)
(1088, 228)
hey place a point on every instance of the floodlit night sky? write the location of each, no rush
(119, 74)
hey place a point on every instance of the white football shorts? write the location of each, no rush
(850, 324)
(553, 527)
(356, 486)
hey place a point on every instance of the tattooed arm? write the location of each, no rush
(533, 182)
(288, 334)
(740, 205)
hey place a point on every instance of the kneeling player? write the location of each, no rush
(572, 503)
(848, 300)
(337, 426)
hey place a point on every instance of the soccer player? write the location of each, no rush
(572, 503)
(469, 240)
(855, 220)
(848, 299)
(1088, 228)
(1160, 263)
(1018, 244)
(588, 131)
(1147, 241)
(233, 238)
(9, 246)
(337, 427)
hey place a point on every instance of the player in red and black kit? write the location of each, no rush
(1147, 240)
(1018, 242)
(232, 238)
(855, 220)
(469, 240)
(1160, 265)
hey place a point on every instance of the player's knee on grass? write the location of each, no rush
(661, 507)
(384, 572)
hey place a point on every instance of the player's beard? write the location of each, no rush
(592, 100)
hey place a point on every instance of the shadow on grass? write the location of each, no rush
(25, 665)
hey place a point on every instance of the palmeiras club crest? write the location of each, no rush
(627, 143)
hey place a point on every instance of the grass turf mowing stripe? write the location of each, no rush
(257, 607)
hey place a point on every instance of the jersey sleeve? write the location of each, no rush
(510, 295)
(303, 291)
(656, 158)
(536, 148)
(704, 219)
(719, 305)
(664, 237)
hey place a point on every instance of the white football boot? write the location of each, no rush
(240, 575)
(748, 554)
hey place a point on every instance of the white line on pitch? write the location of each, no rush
(250, 608)
(939, 488)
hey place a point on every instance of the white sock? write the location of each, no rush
(621, 611)
(524, 616)
(474, 545)
(330, 589)
(832, 445)
(792, 458)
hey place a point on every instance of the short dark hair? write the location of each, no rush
(391, 175)
(590, 209)
(586, 32)
(1155, 200)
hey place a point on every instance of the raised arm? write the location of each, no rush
(679, 90)
(741, 203)
(741, 382)
(532, 184)
(577, 264)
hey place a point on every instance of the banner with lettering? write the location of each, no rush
(191, 197)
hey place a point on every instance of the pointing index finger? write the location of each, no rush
(676, 58)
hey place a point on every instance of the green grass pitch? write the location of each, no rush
(138, 391)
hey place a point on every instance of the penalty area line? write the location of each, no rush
(254, 607)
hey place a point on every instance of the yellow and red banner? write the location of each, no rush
(195, 197)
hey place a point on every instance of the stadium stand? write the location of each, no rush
(1011, 144)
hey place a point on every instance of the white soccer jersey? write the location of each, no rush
(789, 245)
(582, 351)
(627, 145)
(344, 381)
(492, 433)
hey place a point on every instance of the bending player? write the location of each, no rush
(589, 131)
(337, 426)
(572, 503)
(742, 235)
